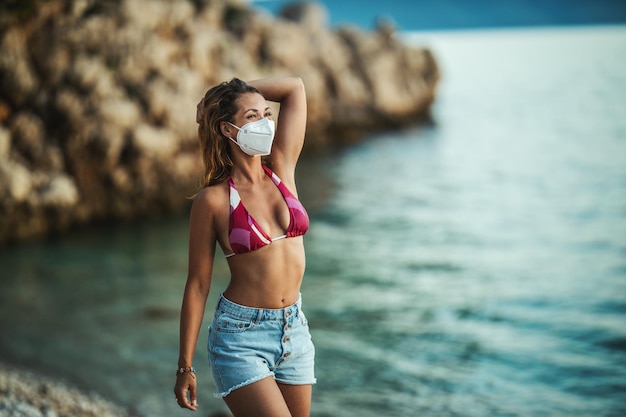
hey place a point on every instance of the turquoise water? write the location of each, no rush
(465, 14)
(472, 267)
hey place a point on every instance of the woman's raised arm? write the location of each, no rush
(291, 123)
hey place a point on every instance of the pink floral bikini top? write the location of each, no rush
(245, 234)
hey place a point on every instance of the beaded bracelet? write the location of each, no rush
(189, 369)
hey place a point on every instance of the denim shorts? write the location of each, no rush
(249, 344)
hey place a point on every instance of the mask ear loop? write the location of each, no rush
(233, 140)
(235, 126)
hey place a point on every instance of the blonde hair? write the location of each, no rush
(220, 104)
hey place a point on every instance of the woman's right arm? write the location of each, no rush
(202, 242)
(291, 123)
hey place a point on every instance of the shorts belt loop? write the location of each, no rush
(259, 316)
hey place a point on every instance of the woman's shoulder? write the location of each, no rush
(212, 197)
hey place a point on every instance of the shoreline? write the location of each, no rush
(29, 393)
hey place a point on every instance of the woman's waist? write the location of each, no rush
(242, 311)
(264, 292)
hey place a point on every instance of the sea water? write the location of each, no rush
(473, 266)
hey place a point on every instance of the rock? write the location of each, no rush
(5, 143)
(27, 131)
(5, 111)
(312, 17)
(153, 142)
(91, 76)
(120, 111)
(16, 182)
(71, 108)
(98, 99)
(59, 192)
(282, 46)
(157, 15)
(18, 78)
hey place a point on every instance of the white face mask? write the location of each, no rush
(255, 138)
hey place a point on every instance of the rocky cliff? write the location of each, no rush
(97, 98)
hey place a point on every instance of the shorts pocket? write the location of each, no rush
(230, 324)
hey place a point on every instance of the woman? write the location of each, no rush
(260, 349)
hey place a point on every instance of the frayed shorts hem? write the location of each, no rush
(243, 384)
(259, 378)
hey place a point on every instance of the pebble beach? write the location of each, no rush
(24, 393)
